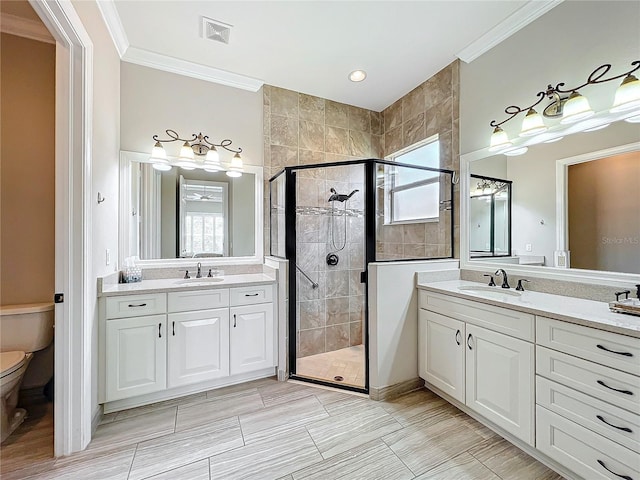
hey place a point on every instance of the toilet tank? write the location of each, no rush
(26, 327)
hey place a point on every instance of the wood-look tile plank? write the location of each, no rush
(462, 467)
(351, 404)
(112, 464)
(283, 392)
(371, 461)
(185, 447)
(272, 457)
(190, 416)
(351, 429)
(425, 445)
(241, 387)
(187, 400)
(508, 461)
(416, 406)
(133, 430)
(282, 417)
(194, 471)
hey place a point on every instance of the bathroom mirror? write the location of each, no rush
(179, 215)
(558, 212)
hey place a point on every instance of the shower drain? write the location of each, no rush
(338, 378)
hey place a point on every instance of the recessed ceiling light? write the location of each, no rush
(357, 75)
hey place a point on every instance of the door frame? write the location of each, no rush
(73, 124)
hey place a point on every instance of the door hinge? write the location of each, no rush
(58, 298)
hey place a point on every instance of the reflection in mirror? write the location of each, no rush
(575, 202)
(191, 213)
(489, 217)
(603, 213)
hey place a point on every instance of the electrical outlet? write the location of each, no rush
(527, 247)
(107, 256)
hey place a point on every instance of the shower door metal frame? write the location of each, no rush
(369, 166)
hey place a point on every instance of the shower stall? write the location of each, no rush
(330, 221)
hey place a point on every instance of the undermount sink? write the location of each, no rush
(494, 292)
(199, 281)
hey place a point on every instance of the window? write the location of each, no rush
(414, 195)
(203, 218)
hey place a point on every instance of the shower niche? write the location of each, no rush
(331, 221)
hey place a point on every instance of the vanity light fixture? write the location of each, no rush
(196, 152)
(569, 105)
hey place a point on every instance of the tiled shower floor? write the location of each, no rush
(347, 363)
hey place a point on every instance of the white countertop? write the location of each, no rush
(575, 310)
(171, 284)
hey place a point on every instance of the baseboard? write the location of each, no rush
(393, 391)
(525, 447)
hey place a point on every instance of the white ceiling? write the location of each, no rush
(311, 46)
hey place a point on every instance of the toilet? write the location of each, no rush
(24, 329)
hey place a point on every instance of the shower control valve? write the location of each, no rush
(332, 259)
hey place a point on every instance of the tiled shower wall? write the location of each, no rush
(301, 129)
(430, 108)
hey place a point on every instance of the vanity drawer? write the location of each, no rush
(503, 320)
(613, 386)
(136, 305)
(611, 349)
(612, 422)
(197, 300)
(581, 451)
(251, 295)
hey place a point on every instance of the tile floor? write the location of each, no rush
(346, 362)
(287, 431)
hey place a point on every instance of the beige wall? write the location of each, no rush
(27, 171)
(604, 214)
(564, 45)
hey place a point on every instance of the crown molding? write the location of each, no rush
(503, 30)
(114, 25)
(23, 27)
(190, 69)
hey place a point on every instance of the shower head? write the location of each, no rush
(340, 197)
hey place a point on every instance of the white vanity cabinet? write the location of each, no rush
(441, 354)
(588, 399)
(481, 356)
(136, 356)
(198, 346)
(163, 345)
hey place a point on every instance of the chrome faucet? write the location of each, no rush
(505, 281)
(199, 274)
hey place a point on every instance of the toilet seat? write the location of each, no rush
(10, 362)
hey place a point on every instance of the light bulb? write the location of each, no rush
(158, 152)
(236, 166)
(357, 75)
(499, 140)
(532, 124)
(212, 161)
(212, 155)
(577, 108)
(186, 152)
(627, 95)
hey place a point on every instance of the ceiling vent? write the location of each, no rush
(216, 30)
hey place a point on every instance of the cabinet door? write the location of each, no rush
(252, 338)
(198, 346)
(441, 352)
(136, 356)
(499, 380)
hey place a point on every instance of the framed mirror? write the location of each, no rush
(489, 217)
(575, 206)
(169, 218)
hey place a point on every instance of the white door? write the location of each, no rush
(198, 346)
(499, 380)
(136, 356)
(252, 338)
(441, 352)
